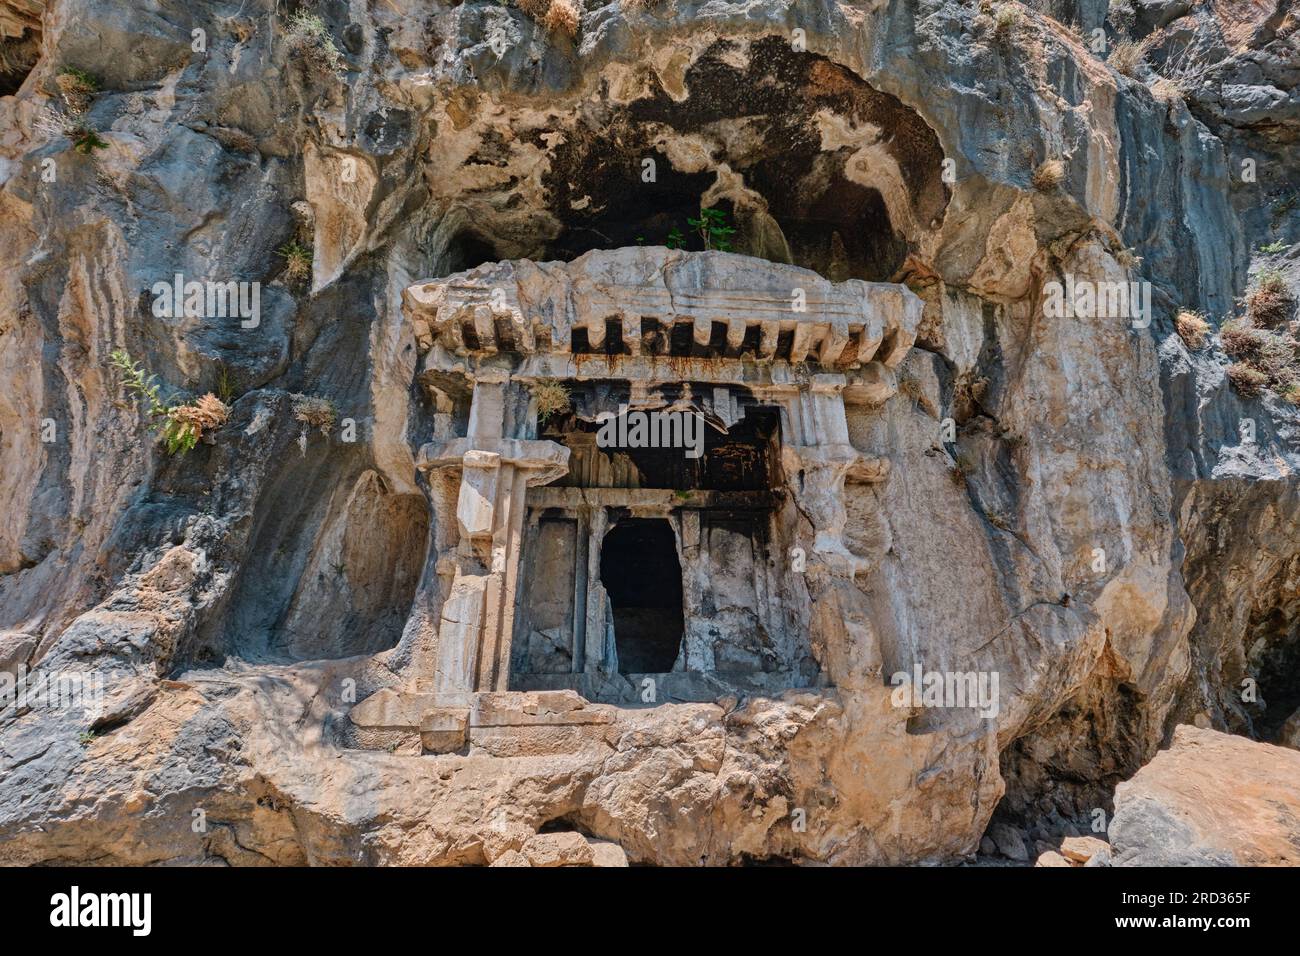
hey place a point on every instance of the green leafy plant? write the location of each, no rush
(675, 238)
(180, 426)
(85, 140)
(713, 229)
(77, 87)
(1273, 248)
(225, 383)
(86, 738)
(297, 261)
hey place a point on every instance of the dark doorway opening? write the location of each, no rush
(643, 577)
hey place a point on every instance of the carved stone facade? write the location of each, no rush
(729, 568)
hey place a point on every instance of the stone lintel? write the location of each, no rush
(659, 500)
(548, 457)
(869, 383)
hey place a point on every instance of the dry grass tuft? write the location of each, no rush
(1239, 338)
(552, 398)
(1127, 58)
(1247, 381)
(1049, 175)
(308, 37)
(563, 17)
(314, 412)
(1192, 328)
(207, 414)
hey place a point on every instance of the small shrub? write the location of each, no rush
(962, 466)
(186, 424)
(562, 17)
(1271, 280)
(1268, 307)
(1049, 176)
(1192, 328)
(314, 412)
(1292, 394)
(1276, 358)
(179, 426)
(308, 37)
(537, 9)
(1005, 20)
(1248, 382)
(1239, 339)
(18, 55)
(1127, 58)
(297, 261)
(713, 229)
(85, 140)
(1128, 258)
(86, 738)
(1282, 207)
(1274, 248)
(1122, 14)
(675, 238)
(77, 87)
(552, 398)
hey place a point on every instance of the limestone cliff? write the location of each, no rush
(1100, 506)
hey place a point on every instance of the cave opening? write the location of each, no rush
(18, 55)
(640, 571)
(1279, 683)
(805, 161)
(467, 250)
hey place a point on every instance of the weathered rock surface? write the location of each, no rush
(1211, 799)
(1095, 530)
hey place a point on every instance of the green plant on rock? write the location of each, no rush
(1273, 248)
(225, 383)
(180, 426)
(675, 238)
(297, 261)
(713, 229)
(85, 140)
(77, 87)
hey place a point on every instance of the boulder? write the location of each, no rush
(1211, 799)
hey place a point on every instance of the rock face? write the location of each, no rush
(953, 560)
(1211, 799)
